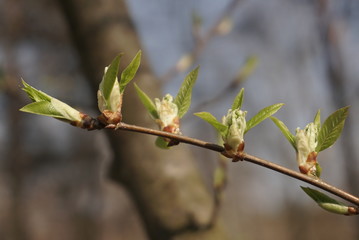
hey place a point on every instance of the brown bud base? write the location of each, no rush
(88, 122)
(352, 211)
(173, 128)
(108, 117)
(235, 155)
(172, 142)
(309, 168)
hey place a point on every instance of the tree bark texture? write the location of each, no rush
(165, 185)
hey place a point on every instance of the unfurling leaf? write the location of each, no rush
(34, 94)
(109, 78)
(329, 204)
(284, 129)
(317, 120)
(183, 98)
(167, 111)
(235, 120)
(237, 103)
(130, 71)
(262, 115)
(147, 102)
(46, 105)
(41, 108)
(206, 116)
(331, 129)
(108, 94)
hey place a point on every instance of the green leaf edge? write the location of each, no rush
(284, 129)
(316, 120)
(109, 78)
(183, 97)
(208, 117)
(43, 108)
(130, 71)
(331, 129)
(262, 115)
(147, 102)
(238, 100)
(34, 94)
(326, 202)
(46, 105)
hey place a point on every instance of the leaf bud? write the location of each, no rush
(167, 111)
(306, 141)
(234, 138)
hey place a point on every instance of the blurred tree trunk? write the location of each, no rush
(166, 186)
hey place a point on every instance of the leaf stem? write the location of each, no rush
(246, 157)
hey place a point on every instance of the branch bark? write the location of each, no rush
(249, 158)
(166, 186)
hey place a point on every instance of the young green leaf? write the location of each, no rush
(327, 203)
(41, 108)
(130, 71)
(161, 143)
(284, 129)
(48, 106)
(331, 129)
(317, 119)
(147, 102)
(237, 103)
(183, 98)
(109, 78)
(34, 94)
(206, 116)
(262, 115)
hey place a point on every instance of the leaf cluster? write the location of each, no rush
(237, 104)
(329, 131)
(182, 99)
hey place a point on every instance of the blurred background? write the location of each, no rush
(60, 182)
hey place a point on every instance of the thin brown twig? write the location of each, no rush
(245, 157)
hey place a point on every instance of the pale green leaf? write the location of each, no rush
(262, 115)
(331, 129)
(65, 110)
(147, 102)
(284, 129)
(130, 71)
(317, 119)
(206, 116)
(34, 94)
(183, 98)
(109, 78)
(42, 108)
(161, 143)
(48, 106)
(326, 202)
(237, 103)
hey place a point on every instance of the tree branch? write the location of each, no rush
(246, 157)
